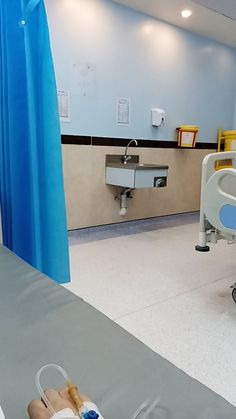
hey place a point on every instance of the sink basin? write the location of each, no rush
(136, 166)
(134, 174)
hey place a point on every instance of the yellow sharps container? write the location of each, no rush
(187, 135)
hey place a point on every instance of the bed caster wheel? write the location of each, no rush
(234, 294)
(202, 248)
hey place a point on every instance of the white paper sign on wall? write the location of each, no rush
(123, 111)
(64, 105)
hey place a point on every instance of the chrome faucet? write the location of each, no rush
(126, 156)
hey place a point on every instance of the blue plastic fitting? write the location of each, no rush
(91, 415)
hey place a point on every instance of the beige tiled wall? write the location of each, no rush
(91, 202)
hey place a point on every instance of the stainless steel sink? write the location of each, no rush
(134, 174)
(137, 166)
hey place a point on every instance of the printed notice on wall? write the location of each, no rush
(83, 79)
(123, 111)
(64, 105)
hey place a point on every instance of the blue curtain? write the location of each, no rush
(31, 179)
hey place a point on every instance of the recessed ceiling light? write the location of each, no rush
(186, 13)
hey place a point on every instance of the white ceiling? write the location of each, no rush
(225, 7)
(215, 19)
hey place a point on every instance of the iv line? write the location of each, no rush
(39, 387)
(145, 408)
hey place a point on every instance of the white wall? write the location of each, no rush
(103, 51)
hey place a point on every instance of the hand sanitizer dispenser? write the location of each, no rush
(158, 117)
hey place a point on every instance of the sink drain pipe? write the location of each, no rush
(123, 200)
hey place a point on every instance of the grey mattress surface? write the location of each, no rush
(41, 322)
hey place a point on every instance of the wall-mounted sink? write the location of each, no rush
(134, 174)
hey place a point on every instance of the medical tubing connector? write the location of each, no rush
(39, 387)
(87, 410)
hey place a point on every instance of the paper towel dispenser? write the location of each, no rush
(158, 117)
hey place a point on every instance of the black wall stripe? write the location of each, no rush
(76, 139)
(122, 142)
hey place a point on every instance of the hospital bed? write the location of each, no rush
(218, 202)
(41, 322)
